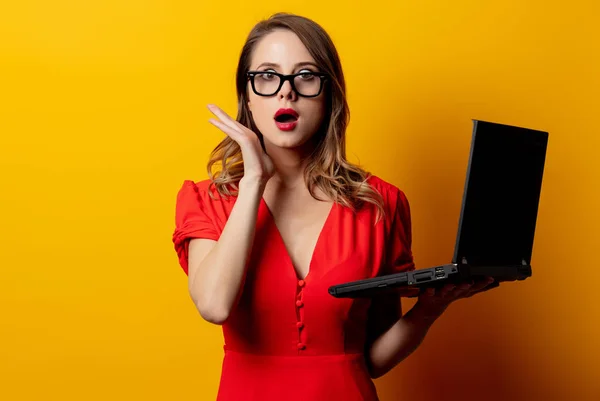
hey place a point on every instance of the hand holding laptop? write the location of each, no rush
(496, 224)
(433, 301)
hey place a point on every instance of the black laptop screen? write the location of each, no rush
(501, 196)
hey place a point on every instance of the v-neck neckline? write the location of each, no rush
(320, 237)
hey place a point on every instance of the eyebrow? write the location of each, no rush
(274, 65)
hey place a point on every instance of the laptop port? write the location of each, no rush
(440, 274)
(439, 269)
(423, 276)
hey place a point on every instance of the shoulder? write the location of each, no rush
(201, 201)
(390, 193)
(380, 184)
(395, 202)
(195, 186)
(198, 190)
(195, 197)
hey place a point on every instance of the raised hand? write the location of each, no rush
(257, 164)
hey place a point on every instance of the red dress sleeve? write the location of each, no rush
(192, 220)
(400, 257)
(386, 309)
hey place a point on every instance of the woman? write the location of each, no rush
(286, 217)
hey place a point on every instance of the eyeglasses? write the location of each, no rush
(305, 84)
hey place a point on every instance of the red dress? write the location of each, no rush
(288, 339)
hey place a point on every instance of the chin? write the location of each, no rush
(286, 139)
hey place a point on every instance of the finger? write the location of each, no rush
(494, 284)
(225, 118)
(447, 290)
(232, 133)
(471, 293)
(461, 291)
(478, 286)
(486, 287)
(410, 292)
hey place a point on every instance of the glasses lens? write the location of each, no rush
(266, 83)
(308, 84)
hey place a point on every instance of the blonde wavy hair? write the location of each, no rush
(327, 167)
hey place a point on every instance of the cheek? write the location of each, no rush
(316, 111)
(260, 111)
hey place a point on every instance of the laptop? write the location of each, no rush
(497, 219)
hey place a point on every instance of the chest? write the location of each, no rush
(310, 238)
(300, 227)
(345, 247)
(299, 221)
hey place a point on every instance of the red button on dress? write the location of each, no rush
(261, 359)
(299, 325)
(299, 304)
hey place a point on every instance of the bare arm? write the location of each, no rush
(405, 336)
(399, 341)
(217, 268)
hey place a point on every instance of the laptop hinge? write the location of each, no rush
(464, 261)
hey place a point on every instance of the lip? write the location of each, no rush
(289, 125)
(286, 111)
(286, 126)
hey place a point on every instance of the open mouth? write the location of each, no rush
(286, 115)
(286, 118)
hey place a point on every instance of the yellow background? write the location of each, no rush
(102, 116)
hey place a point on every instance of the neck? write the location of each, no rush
(289, 165)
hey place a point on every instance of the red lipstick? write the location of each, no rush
(286, 119)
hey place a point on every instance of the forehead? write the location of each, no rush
(281, 47)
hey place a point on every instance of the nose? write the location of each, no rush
(287, 92)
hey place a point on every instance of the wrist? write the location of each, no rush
(425, 314)
(252, 184)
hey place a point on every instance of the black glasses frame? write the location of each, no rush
(283, 78)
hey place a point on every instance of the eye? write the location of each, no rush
(266, 76)
(306, 75)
